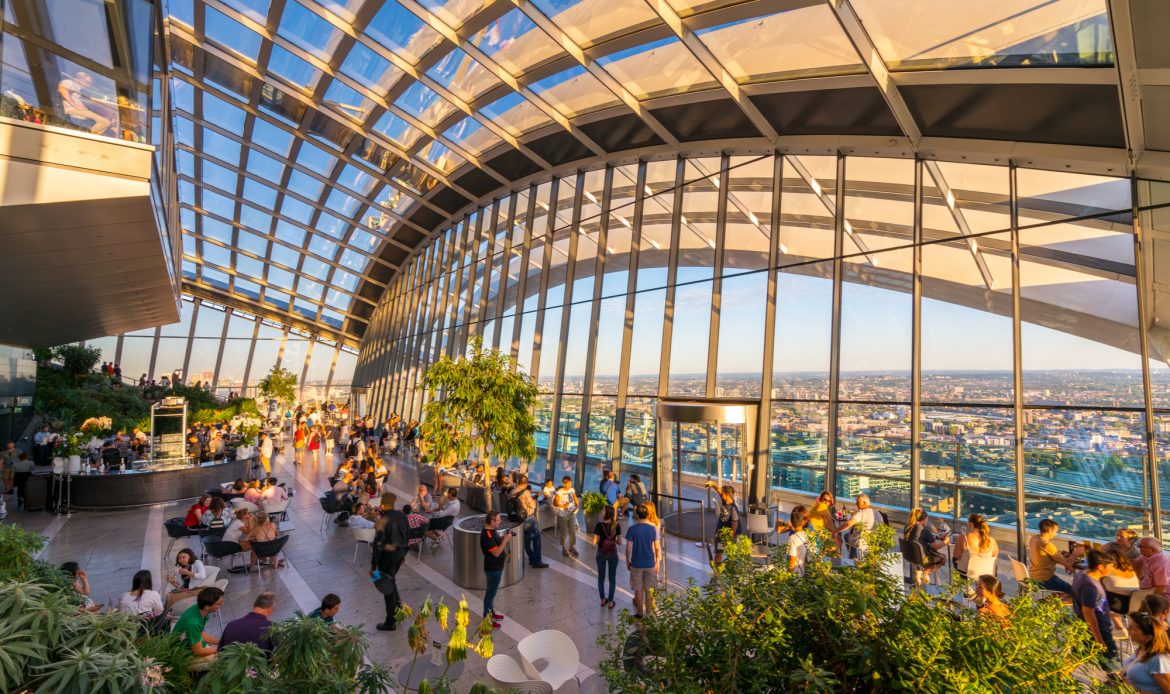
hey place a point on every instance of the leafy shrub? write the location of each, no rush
(78, 359)
(850, 629)
(592, 502)
(309, 656)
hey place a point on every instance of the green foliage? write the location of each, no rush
(592, 502)
(17, 548)
(309, 656)
(478, 403)
(849, 629)
(280, 385)
(419, 640)
(73, 399)
(43, 354)
(78, 359)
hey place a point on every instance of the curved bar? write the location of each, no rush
(139, 488)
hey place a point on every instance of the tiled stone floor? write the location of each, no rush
(112, 545)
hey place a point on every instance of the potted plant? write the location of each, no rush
(593, 504)
(68, 449)
(478, 403)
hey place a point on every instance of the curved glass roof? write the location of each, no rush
(320, 143)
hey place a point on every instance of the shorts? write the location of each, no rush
(643, 579)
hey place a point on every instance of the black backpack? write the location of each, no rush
(515, 509)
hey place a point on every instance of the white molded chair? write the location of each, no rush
(557, 650)
(240, 503)
(1021, 573)
(278, 510)
(757, 524)
(509, 676)
(361, 536)
(212, 572)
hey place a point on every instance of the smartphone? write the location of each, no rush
(1072, 545)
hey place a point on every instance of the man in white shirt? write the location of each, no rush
(266, 452)
(273, 493)
(862, 522)
(450, 507)
(565, 504)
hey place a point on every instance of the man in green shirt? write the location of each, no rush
(190, 628)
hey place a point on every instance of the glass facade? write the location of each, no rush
(962, 337)
(80, 64)
(232, 350)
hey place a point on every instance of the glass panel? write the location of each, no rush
(799, 435)
(589, 21)
(201, 368)
(465, 77)
(688, 350)
(953, 33)
(638, 439)
(966, 327)
(515, 43)
(1078, 459)
(804, 323)
(1079, 313)
(574, 92)
(876, 312)
(136, 356)
(646, 349)
(657, 69)
(815, 46)
(873, 453)
(741, 336)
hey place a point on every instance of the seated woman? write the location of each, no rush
(361, 518)
(917, 531)
(195, 513)
(1157, 605)
(236, 491)
(976, 543)
(217, 516)
(479, 478)
(80, 581)
(1119, 585)
(1148, 670)
(187, 578)
(142, 599)
(263, 530)
(253, 494)
(501, 483)
(237, 525)
(989, 595)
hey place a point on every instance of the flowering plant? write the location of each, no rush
(97, 426)
(248, 426)
(68, 444)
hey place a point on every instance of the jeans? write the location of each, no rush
(606, 565)
(532, 541)
(1056, 583)
(389, 563)
(489, 597)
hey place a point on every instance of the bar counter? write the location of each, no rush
(143, 487)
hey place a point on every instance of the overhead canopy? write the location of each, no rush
(322, 143)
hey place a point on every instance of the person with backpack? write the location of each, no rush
(521, 508)
(728, 518)
(607, 535)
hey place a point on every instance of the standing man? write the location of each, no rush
(20, 474)
(389, 550)
(1091, 603)
(8, 465)
(41, 442)
(266, 452)
(642, 558)
(527, 505)
(495, 555)
(252, 627)
(565, 503)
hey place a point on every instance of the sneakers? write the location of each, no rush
(540, 565)
(387, 626)
(496, 625)
(573, 551)
(496, 616)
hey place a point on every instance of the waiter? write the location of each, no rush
(389, 551)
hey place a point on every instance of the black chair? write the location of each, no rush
(441, 525)
(915, 554)
(220, 549)
(331, 506)
(269, 550)
(176, 531)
